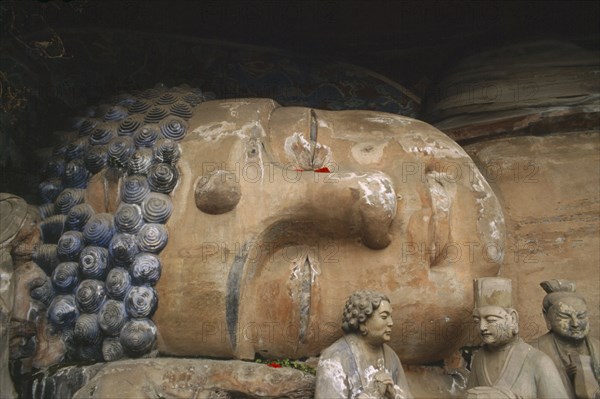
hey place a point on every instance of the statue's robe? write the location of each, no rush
(546, 344)
(338, 375)
(527, 372)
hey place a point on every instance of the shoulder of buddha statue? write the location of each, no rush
(478, 353)
(336, 360)
(544, 342)
(338, 350)
(391, 357)
(595, 346)
(542, 363)
(594, 342)
(522, 346)
(549, 383)
(477, 359)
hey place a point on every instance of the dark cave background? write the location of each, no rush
(59, 57)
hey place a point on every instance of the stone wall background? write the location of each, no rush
(549, 190)
(543, 163)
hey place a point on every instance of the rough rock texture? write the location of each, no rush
(33, 343)
(195, 378)
(525, 88)
(203, 378)
(17, 237)
(550, 191)
(63, 383)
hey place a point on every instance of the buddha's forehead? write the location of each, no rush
(569, 304)
(486, 311)
(385, 306)
(264, 119)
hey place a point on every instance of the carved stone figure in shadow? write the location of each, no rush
(360, 364)
(574, 353)
(17, 238)
(507, 367)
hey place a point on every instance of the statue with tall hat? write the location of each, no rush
(567, 343)
(506, 366)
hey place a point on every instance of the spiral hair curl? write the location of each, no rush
(359, 307)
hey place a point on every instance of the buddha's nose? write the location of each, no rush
(483, 326)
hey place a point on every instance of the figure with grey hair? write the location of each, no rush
(507, 367)
(360, 365)
(567, 342)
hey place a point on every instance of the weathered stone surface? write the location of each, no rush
(550, 191)
(63, 383)
(217, 193)
(12, 215)
(270, 276)
(520, 89)
(17, 222)
(331, 202)
(212, 379)
(33, 343)
(195, 378)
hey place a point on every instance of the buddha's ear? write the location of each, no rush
(363, 329)
(547, 319)
(514, 316)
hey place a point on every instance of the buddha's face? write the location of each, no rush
(496, 325)
(568, 318)
(281, 212)
(377, 329)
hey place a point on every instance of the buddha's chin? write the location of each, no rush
(576, 336)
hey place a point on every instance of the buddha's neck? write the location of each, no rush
(505, 347)
(569, 343)
(368, 350)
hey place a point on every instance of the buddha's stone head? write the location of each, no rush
(266, 218)
(496, 320)
(497, 325)
(369, 314)
(565, 311)
(282, 212)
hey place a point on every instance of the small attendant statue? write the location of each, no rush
(574, 353)
(360, 365)
(17, 235)
(507, 367)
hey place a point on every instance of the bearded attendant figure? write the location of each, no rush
(507, 367)
(574, 353)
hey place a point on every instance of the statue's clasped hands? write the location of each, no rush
(382, 387)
